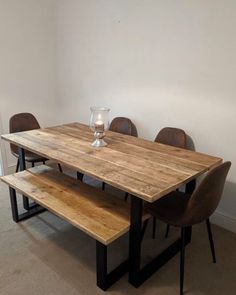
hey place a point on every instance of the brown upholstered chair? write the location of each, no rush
(25, 122)
(183, 210)
(172, 136)
(124, 126)
(175, 137)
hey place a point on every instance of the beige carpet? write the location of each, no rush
(46, 255)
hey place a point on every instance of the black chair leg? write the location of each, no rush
(59, 167)
(80, 176)
(17, 165)
(103, 186)
(167, 231)
(126, 196)
(154, 222)
(182, 253)
(211, 240)
(32, 164)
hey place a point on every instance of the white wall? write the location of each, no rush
(27, 62)
(161, 63)
(2, 147)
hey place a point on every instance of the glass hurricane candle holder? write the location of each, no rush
(99, 123)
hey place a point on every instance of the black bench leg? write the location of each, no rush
(22, 165)
(33, 210)
(26, 205)
(104, 279)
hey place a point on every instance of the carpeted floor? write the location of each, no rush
(46, 255)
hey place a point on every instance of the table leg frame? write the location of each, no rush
(33, 210)
(104, 279)
(137, 276)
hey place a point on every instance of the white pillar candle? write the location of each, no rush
(99, 125)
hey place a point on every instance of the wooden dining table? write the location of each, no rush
(146, 170)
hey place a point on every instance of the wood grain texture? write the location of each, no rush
(100, 215)
(140, 167)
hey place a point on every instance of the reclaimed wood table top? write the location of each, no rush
(145, 169)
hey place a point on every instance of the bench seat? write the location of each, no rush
(97, 213)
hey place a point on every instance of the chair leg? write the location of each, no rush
(126, 196)
(103, 186)
(17, 165)
(154, 222)
(32, 164)
(43, 162)
(167, 231)
(59, 167)
(182, 253)
(208, 224)
(80, 176)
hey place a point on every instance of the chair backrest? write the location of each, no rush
(207, 195)
(172, 136)
(22, 122)
(124, 126)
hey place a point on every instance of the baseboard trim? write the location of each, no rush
(224, 220)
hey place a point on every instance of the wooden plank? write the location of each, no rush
(174, 158)
(182, 154)
(140, 184)
(145, 169)
(100, 215)
(95, 168)
(124, 150)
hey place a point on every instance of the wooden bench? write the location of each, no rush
(100, 215)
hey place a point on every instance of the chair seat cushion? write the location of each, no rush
(170, 208)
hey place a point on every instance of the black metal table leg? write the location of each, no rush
(101, 256)
(22, 165)
(14, 208)
(139, 275)
(104, 279)
(154, 224)
(135, 240)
